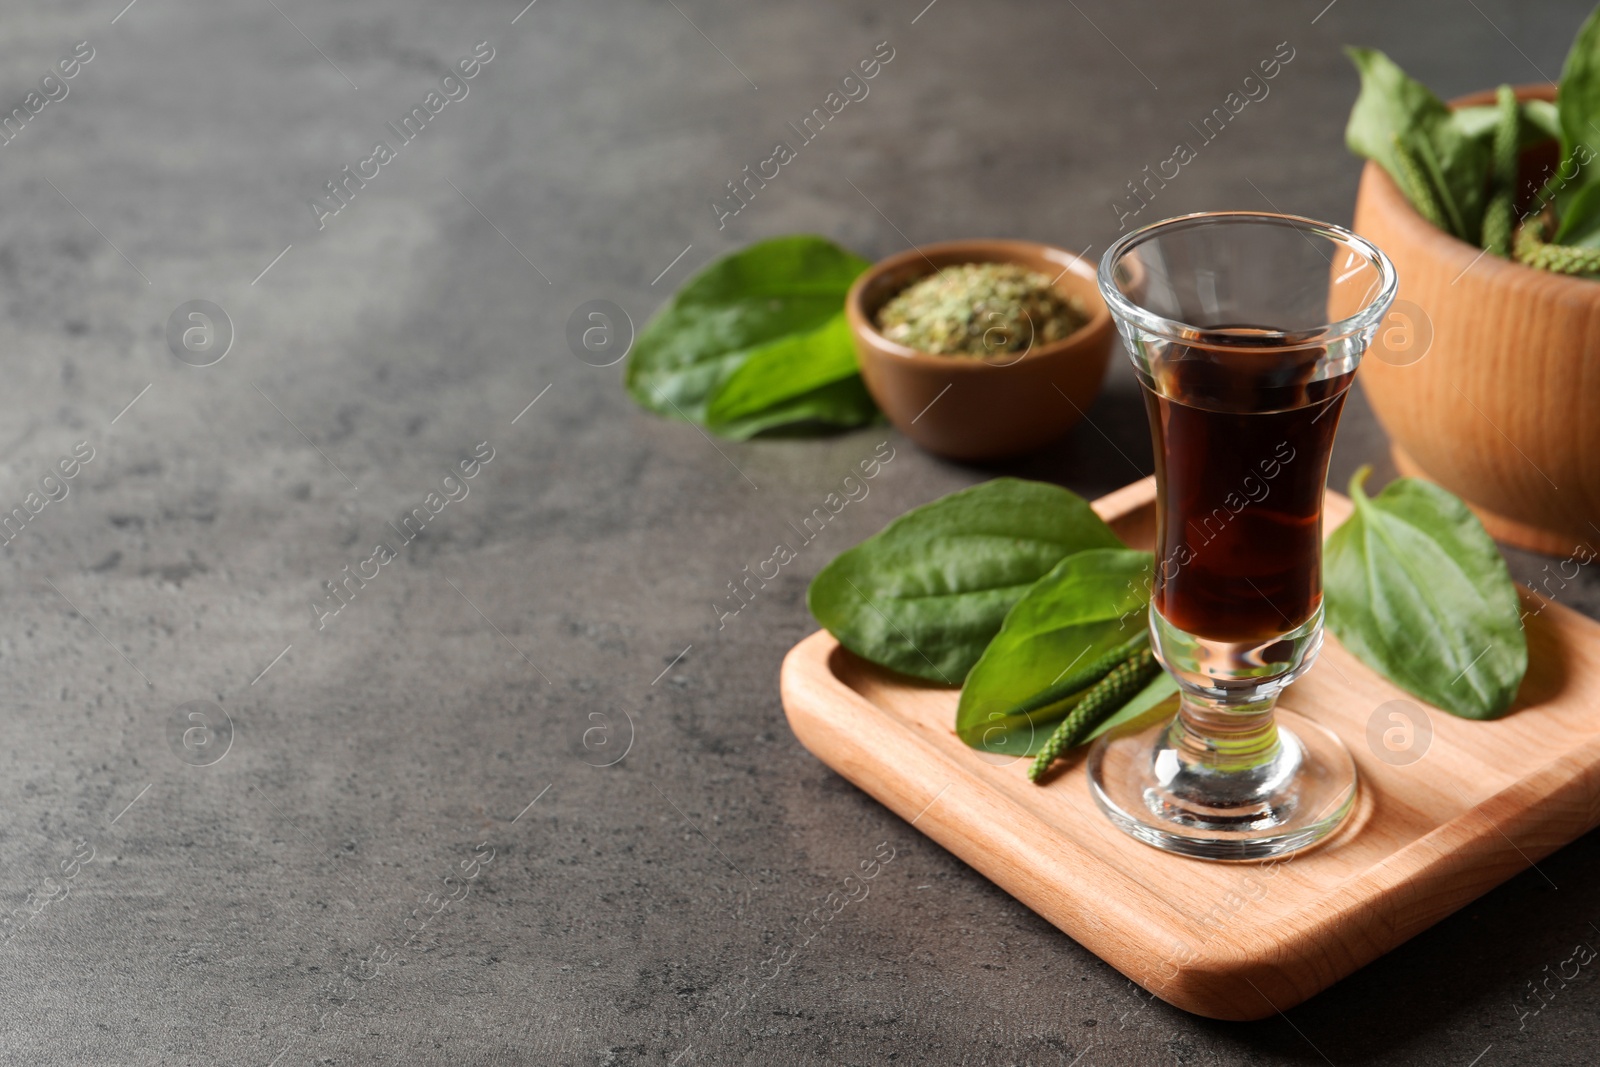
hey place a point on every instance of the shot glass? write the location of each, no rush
(1245, 330)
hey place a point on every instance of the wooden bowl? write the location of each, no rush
(1504, 408)
(976, 408)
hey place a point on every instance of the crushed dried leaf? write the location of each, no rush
(980, 309)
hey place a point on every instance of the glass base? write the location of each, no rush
(1150, 784)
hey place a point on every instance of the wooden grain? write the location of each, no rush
(1504, 409)
(1236, 941)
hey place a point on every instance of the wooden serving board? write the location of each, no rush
(1232, 940)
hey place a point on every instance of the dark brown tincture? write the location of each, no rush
(1242, 440)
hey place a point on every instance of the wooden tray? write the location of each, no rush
(1237, 941)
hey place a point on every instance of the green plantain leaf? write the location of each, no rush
(926, 594)
(1536, 121)
(838, 404)
(1578, 101)
(1392, 105)
(1416, 589)
(1091, 602)
(737, 309)
(1150, 705)
(1580, 219)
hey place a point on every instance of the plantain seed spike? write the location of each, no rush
(1098, 704)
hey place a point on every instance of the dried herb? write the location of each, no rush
(980, 309)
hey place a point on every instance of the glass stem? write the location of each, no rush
(1225, 737)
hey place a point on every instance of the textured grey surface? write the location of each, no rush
(265, 909)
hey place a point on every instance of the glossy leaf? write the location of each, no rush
(1536, 121)
(1155, 702)
(733, 310)
(1091, 602)
(1540, 120)
(764, 390)
(1415, 588)
(926, 594)
(1578, 102)
(1393, 106)
(839, 404)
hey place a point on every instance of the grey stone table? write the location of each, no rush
(238, 827)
